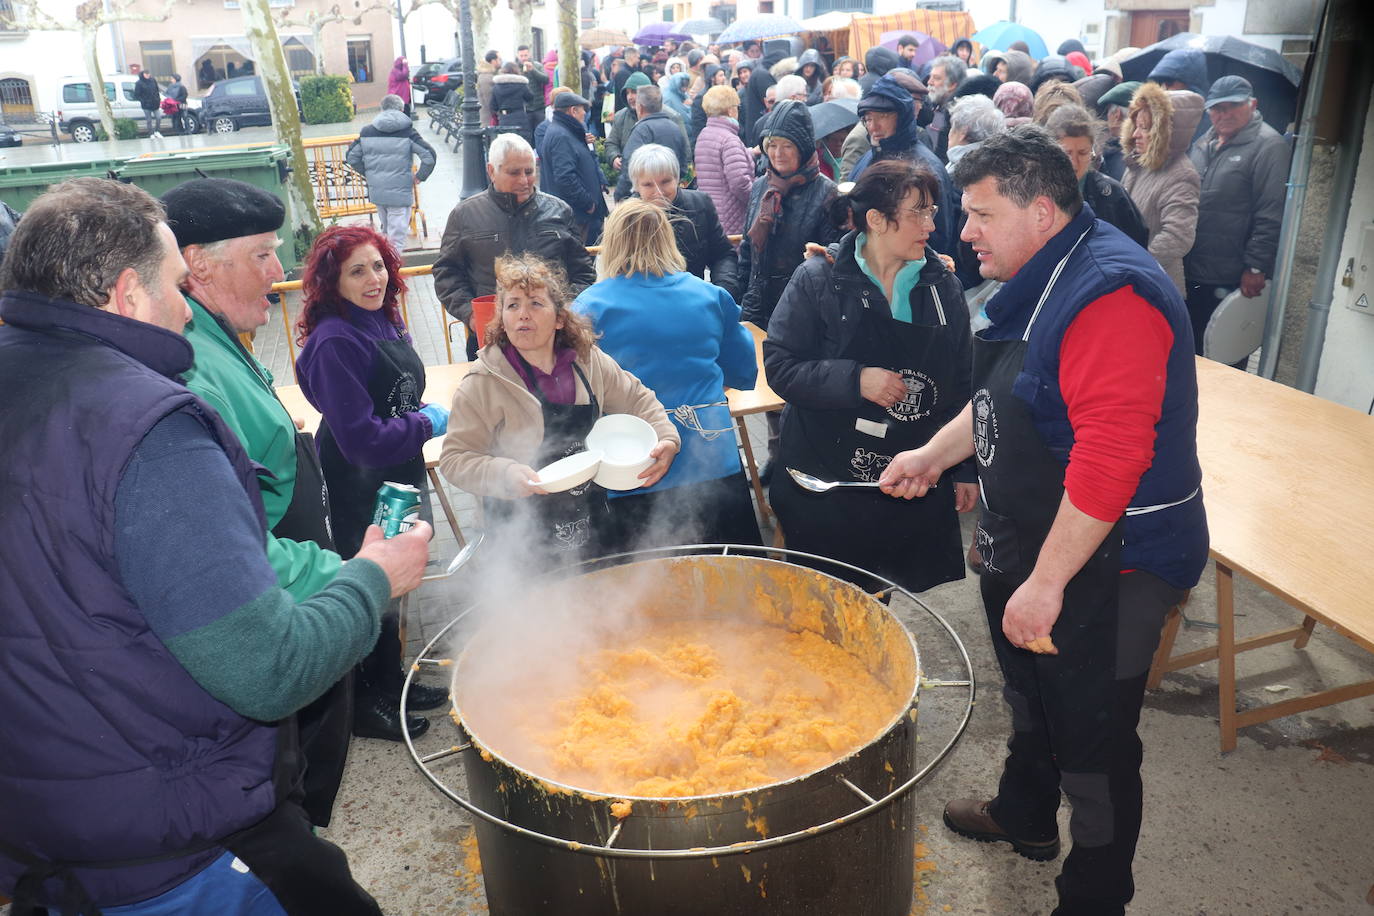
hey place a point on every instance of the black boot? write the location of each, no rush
(378, 716)
(423, 696)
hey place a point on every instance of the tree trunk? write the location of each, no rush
(569, 54)
(524, 33)
(89, 31)
(316, 28)
(481, 29)
(281, 99)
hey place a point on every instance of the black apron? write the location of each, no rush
(576, 519)
(325, 726)
(915, 543)
(395, 381)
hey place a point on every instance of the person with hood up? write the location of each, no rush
(846, 67)
(1020, 67)
(1184, 68)
(888, 112)
(871, 353)
(963, 49)
(857, 142)
(877, 61)
(725, 169)
(811, 68)
(510, 97)
(1080, 136)
(1159, 176)
(568, 169)
(788, 207)
(382, 154)
(1016, 102)
(1051, 68)
(674, 90)
(752, 107)
(1092, 87)
(398, 83)
(994, 64)
(149, 97)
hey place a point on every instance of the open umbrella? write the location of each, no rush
(928, 47)
(773, 25)
(708, 26)
(836, 114)
(595, 38)
(1274, 78)
(656, 33)
(1000, 35)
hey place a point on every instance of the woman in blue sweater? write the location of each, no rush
(358, 369)
(681, 337)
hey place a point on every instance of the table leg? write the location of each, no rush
(752, 469)
(1308, 625)
(1226, 655)
(438, 484)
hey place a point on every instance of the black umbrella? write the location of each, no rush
(1275, 79)
(836, 114)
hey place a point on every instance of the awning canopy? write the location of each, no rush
(242, 46)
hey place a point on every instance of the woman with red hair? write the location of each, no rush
(358, 369)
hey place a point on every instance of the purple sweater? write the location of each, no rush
(725, 170)
(333, 367)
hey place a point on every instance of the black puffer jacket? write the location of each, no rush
(510, 92)
(1112, 204)
(820, 313)
(751, 108)
(698, 121)
(805, 217)
(488, 225)
(702, 241)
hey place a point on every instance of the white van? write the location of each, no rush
(76, 112)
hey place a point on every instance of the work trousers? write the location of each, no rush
(1074, 718)
(395, 224)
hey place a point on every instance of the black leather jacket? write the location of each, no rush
(490, 224)
(702, 241)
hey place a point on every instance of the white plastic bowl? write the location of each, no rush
(569, 472)
(625, 442)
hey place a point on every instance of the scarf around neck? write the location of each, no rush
(770, 207)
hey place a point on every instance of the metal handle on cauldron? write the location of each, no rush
(871, 805)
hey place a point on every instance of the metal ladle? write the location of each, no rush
(463, 556)
(816, 485)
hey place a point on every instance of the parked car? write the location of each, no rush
(237, 102)
(9, 136)
(448, 76)
(76, 111)
(420, 74)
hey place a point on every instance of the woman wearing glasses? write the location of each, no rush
(870, 348)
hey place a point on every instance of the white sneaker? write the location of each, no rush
(156, 135)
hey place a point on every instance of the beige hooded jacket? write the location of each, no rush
(1162, 180)
(496, 423)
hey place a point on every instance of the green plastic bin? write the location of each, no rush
(21, 184)
(263, 166)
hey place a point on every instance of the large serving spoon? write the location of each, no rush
(474, 538)
(816, 485)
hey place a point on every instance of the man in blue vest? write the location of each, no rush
(1083, 422)
(150, 650)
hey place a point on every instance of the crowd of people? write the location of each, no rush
(982, 287)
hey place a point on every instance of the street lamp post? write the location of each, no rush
(474, 170)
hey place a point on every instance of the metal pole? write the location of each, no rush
(401, 27)
(1293, 204)
(1342, 190)
(474, 168)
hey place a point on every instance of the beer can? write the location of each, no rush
(397, 508)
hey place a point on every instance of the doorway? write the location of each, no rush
(1157, 25)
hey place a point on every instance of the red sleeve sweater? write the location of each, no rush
(1112, 367)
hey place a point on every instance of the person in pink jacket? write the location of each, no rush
(398, 81)
(725, 169)
(550, 69)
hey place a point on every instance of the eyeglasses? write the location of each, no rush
(925, 213)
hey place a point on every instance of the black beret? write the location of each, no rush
(205, 210)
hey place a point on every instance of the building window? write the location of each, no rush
(360, 59)
(157, 59)
(9, 20)
(299, 60)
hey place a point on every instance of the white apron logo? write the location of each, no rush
(983, 541)
(984, 427)
(868, 465)
(921, 397)
(404, 396)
